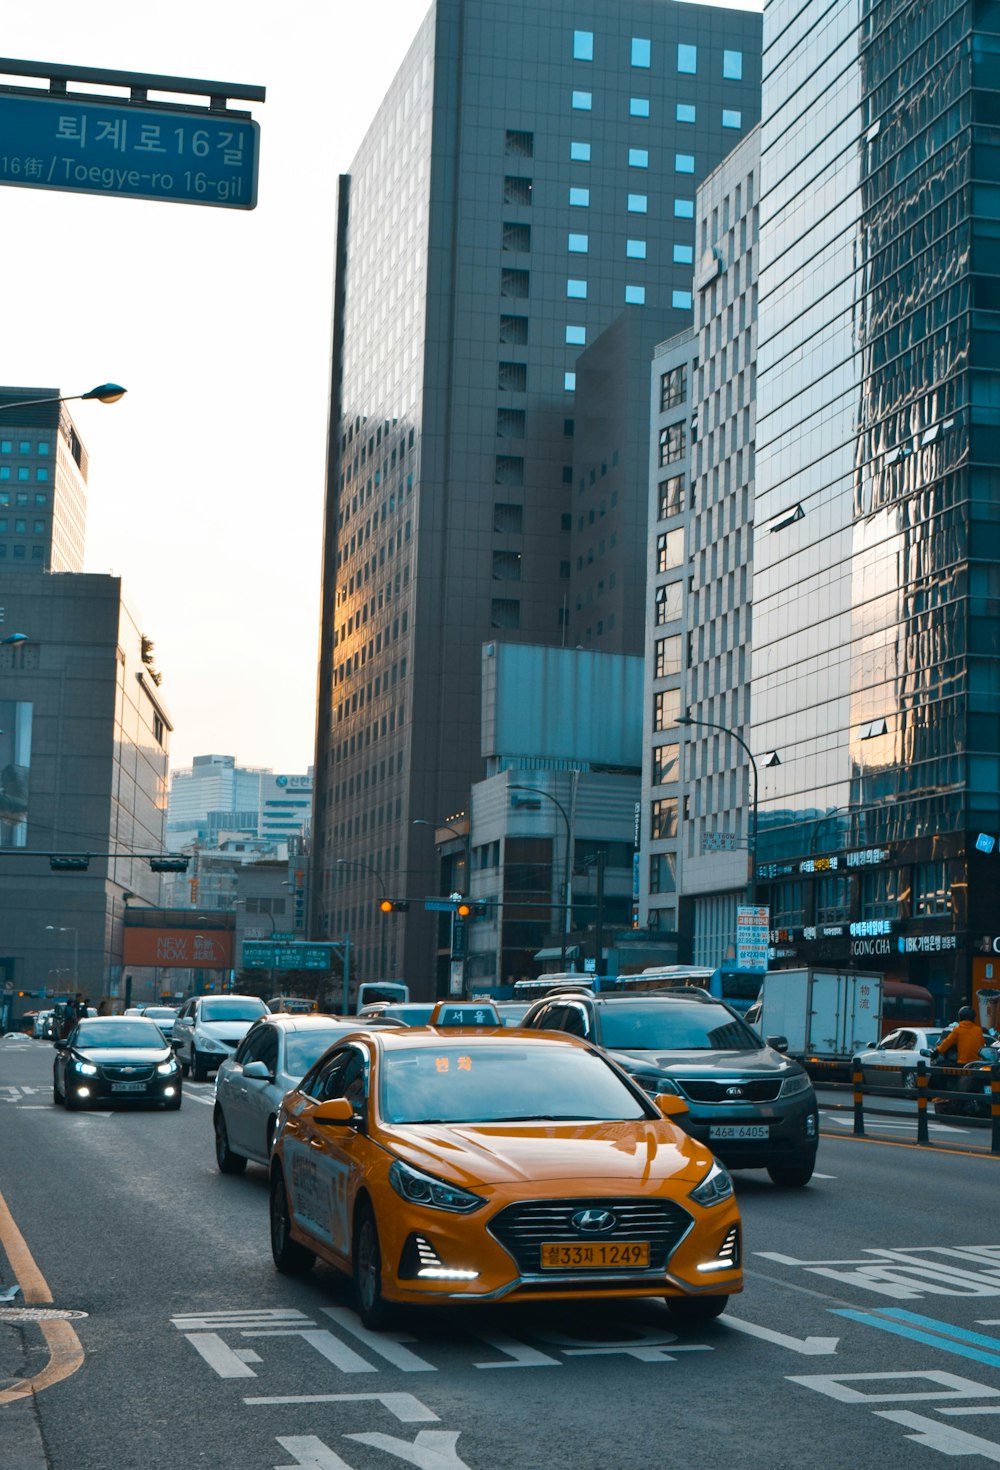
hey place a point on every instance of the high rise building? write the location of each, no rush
(876, 676)
(524, 180)
(43, 484)
(214, 799)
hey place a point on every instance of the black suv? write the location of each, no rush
(753, 1107)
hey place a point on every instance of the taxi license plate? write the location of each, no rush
(740, 1130)
(597, 1255)
(128, 1087)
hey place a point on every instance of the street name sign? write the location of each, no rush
(285, 956)
(129, 150)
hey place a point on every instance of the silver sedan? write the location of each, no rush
(892, 1064)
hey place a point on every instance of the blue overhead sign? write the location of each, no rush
(129, 150)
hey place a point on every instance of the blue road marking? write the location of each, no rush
(942, 1335)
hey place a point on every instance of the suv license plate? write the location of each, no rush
(128, 1087)
(558, 1256)
(740, 1130)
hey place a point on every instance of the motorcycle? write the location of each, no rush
(974, 1084)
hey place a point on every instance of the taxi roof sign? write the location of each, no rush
(470, 1013)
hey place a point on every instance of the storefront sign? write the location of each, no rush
(868, 857)
(752, 932)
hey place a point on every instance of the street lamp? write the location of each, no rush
(357, 863)
(69, 929)
(567, 918)
(104, 393)
(772, 759)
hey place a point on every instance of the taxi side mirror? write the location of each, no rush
(334, 1113)
(669, 1104)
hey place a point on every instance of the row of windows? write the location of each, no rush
(19, 553)
(23, 498)
(21, 526)
(641, 55)
(920, 892)
(42, 446)
(576, 290)
(634, 250)
(23, 472)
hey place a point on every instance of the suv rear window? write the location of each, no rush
(674, 1026)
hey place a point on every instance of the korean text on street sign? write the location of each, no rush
(129, 151)
(753, 922)
(286, 956)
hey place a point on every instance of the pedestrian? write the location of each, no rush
(82, 1007)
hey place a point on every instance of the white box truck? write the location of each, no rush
(824, 1015)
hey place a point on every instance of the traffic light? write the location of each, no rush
(64, 863)
(477, 910)
(394, 905)
(168, 864)
(463, 909)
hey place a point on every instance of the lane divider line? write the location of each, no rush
(65, 1349)
(936, 1338)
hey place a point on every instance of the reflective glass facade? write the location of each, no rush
(876, 676)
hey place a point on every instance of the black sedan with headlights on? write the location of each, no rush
(112, 1059)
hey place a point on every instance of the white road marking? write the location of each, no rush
(518, 1355)
(433, 1449)
(218, 1356)
(388, 1345)
(943, 1437)
(329, 1347)
(810, 1347)
(403, 1406)
(251, 1317)
(882, 1124)
(817, 1175)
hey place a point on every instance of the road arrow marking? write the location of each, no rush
(809, 1347)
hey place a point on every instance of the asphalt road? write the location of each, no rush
(870, 1323)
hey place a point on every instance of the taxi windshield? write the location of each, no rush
(452, 1083)
(121, 1033)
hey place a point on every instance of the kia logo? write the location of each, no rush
(593, 1222)
(734, 1092)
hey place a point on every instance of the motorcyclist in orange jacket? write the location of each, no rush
(967, 1039)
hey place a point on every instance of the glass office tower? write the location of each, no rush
(876, 677)
(530, 173)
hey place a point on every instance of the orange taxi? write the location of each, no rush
(439, 1165)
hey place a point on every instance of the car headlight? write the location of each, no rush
(165, 1069)
(649, 1082)
(423, 1189)
(716, 1186)
(87, 1069)
(796, 1083)
(208, 1043)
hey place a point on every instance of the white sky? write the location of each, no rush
(207, 480)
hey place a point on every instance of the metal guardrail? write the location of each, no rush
(923, 1077)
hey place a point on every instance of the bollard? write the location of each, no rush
(922, 1134)
(995, 1110)
(859, 1113)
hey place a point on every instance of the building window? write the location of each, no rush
(510, 423)
(505, 613)
(638, 106)
(583, 45)
(25, 446)
(578, 244)
(670, 497)
(686, 112)
(673, 442)
(787, 905)
(5, 446)
(931, 898)
(641, 51)
(506, 566)
(576, 336)
(5, 472)
(668, 603)
(41, 498)
(666, 764)
(509, 470)
(832, 899)
(512, 377)
(583, 101)
(635, 249)
(667, 657)
(569, 382)
(576, 290)
(684, 163)
(669, 550)
(663, 817)
(514, 283)
(579, 152)
(579, 198)
(516, 237)
(507, 517)
(673, 387)
(683, 209)
(662, 873)
(42, 472)
(731, 118)
(635, 295)
(638, 158)
(638, 203)
(516, 191)
(880, 894)
(23, 473)
(519, 144)
(687, 59)
(514, 329)
(683, 254)
(38, 528)
(682, 300)
(732, 65)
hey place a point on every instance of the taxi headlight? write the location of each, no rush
(165, 1069)
(794, 1084)
(87, 1069)
(423, 1189)
(716, 1186)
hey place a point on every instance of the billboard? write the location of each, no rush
(180, 949)
(15, 770)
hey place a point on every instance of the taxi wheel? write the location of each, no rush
(693, 1310)
(367, 1258)
(228, 1162)
(290, 1258)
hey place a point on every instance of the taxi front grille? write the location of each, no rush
(522, 1229)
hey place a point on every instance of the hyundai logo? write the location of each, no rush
(593, 1222)
(734, 1092)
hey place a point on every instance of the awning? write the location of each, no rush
(572, 952)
